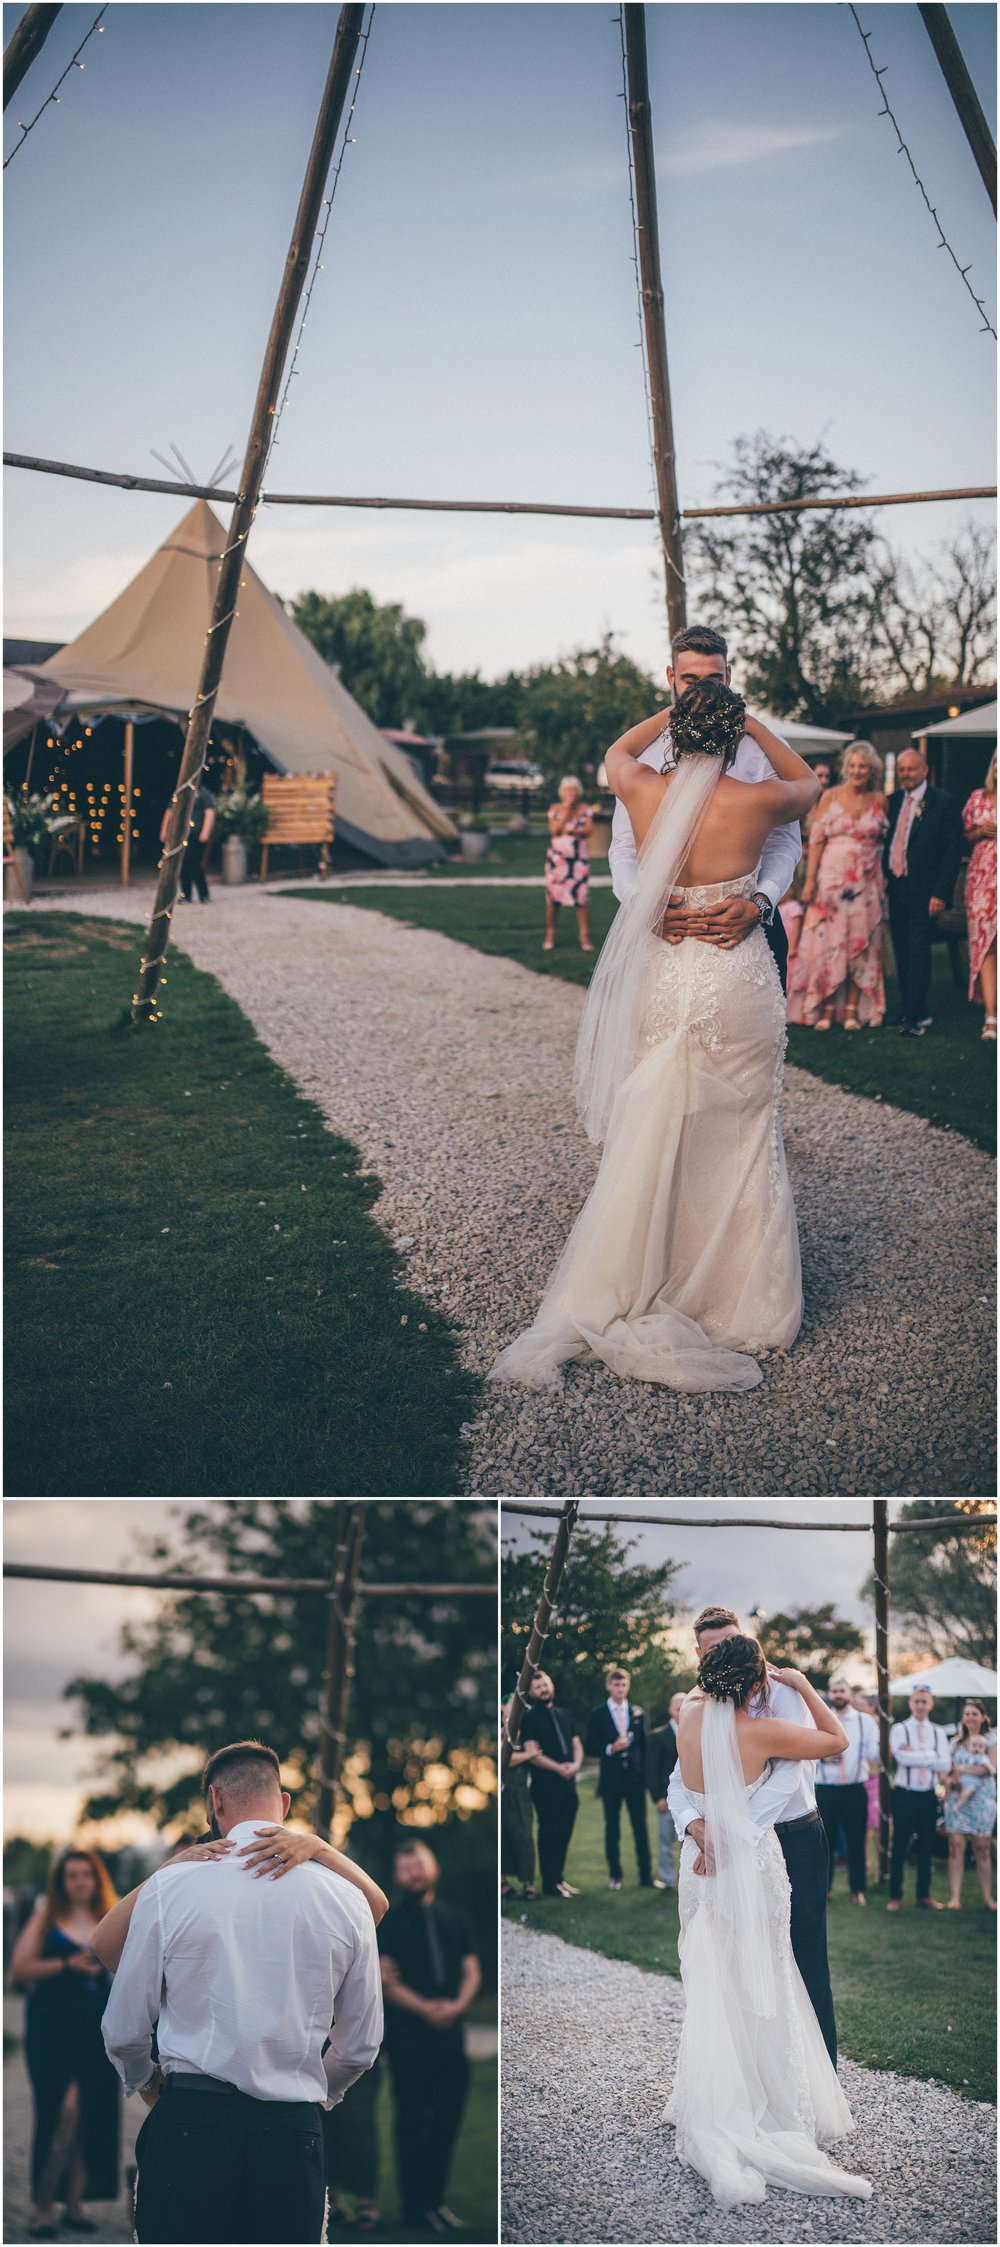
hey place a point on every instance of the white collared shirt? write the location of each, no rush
(245, 1979)
(904, 824)
(781, 852)
(862, 1748)
(921, 1751)
(789, 1790)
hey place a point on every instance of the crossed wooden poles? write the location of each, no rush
(880, 1527)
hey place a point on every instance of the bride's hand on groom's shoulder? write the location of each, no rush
(201, 1852)
(275, 1849)
(793, 1678)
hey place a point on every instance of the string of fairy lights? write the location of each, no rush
(52, 99)
(193, 781)
(886, 110)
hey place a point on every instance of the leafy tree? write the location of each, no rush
(375, 648)
(610, 1610)
(467, 703)
(814, 1639)
(945, 1583)
(213, 1667)
(934, 620)
(572, 711)
(791, 590)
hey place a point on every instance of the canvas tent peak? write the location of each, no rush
(145, 649)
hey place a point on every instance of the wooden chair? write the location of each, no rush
(300, 809)
(9, 854)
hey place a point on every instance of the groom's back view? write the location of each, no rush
(244, 1980)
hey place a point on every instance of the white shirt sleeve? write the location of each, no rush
(356, 2033)
(765, 1807)
(133, 2007)
(783, 848)
(679, 1802)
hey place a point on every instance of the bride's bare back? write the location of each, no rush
(752, 1734)
(736, 824)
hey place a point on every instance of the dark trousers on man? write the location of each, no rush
(193, 871)
(914, 1810)
(807, 1862)
(633, 1795)
(555, 1802)
(910, 922)
(430, 2083)
(847, 1807)
(226, 2167)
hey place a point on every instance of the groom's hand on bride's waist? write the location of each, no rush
(725, 924)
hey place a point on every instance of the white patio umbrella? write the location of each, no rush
(954, 1676)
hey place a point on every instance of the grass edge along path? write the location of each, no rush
(914, 1991)
(948, 1077)
(199, 1300)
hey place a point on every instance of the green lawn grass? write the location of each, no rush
(949, 1076)
(914, 1991)
(199, 1302)
(472, 2191)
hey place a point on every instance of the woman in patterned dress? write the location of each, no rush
(836, 974)
(970, 1810)
(980, 822)
(567, 861)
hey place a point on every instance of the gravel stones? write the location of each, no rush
(589, 2050)
(451, 1071)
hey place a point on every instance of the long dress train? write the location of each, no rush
(756, 2095)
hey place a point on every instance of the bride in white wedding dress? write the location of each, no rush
(685, 1257)
(756, 2095)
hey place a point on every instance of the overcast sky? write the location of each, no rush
(473, 333)
(773, 1569)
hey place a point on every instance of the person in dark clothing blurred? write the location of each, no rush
(199, 836)
(554, 1771)
(430, 1975)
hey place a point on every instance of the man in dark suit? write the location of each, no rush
(661, 1756)
(616, 1734)
(923, 851)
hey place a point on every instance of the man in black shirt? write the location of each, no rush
(553, 1775)
(430, 1975)
(199, 837)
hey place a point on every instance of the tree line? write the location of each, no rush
(824, 615)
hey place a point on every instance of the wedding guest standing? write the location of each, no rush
(921, 1752)
(567, 861)
(517, 1838)
(836, 974)
(430, 1975)
(661, 1756)
(554, 1772)
(970, 1809)
(841, 1791)
(616, 1734)
(922, 853)
(980, 822)
(76, 2093)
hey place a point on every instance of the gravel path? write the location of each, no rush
(580, 2164)
(450, 1071)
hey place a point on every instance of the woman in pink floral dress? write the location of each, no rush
(836, 974)
(567, 861)
(980, 822)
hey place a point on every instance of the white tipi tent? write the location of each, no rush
(145, 651)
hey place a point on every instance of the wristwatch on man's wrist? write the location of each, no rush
(761, 899)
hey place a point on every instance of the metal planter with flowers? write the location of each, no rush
(241, 820)
(33, 821)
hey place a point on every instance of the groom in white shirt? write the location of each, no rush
(786, 1802)
(244, 1982)
(699, 653)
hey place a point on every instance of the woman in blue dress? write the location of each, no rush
(77, 2094)
(970, 1809)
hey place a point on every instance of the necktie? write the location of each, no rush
(435, 1952)
(560, 1737)
(897, 855)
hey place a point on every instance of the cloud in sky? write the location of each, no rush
(716, 144)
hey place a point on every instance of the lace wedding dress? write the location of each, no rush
(685, 1257)
(756, 2095)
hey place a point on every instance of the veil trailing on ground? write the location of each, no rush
(609, 1028)
(741, 1921)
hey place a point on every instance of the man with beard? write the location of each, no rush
(430, 1975)
(557, 1762)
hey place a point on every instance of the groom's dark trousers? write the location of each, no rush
(217, 2165)
(807, 1862)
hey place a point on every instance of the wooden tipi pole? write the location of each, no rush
(880, 1510)
(26, 41)
(339, 1663)
(232, 558)
(547, 1601)
(664, 459)
(963, 93)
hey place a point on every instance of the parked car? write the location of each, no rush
(509, 777)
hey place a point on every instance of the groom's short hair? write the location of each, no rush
(714, 1619)
(698, 639)
(246, 1765)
